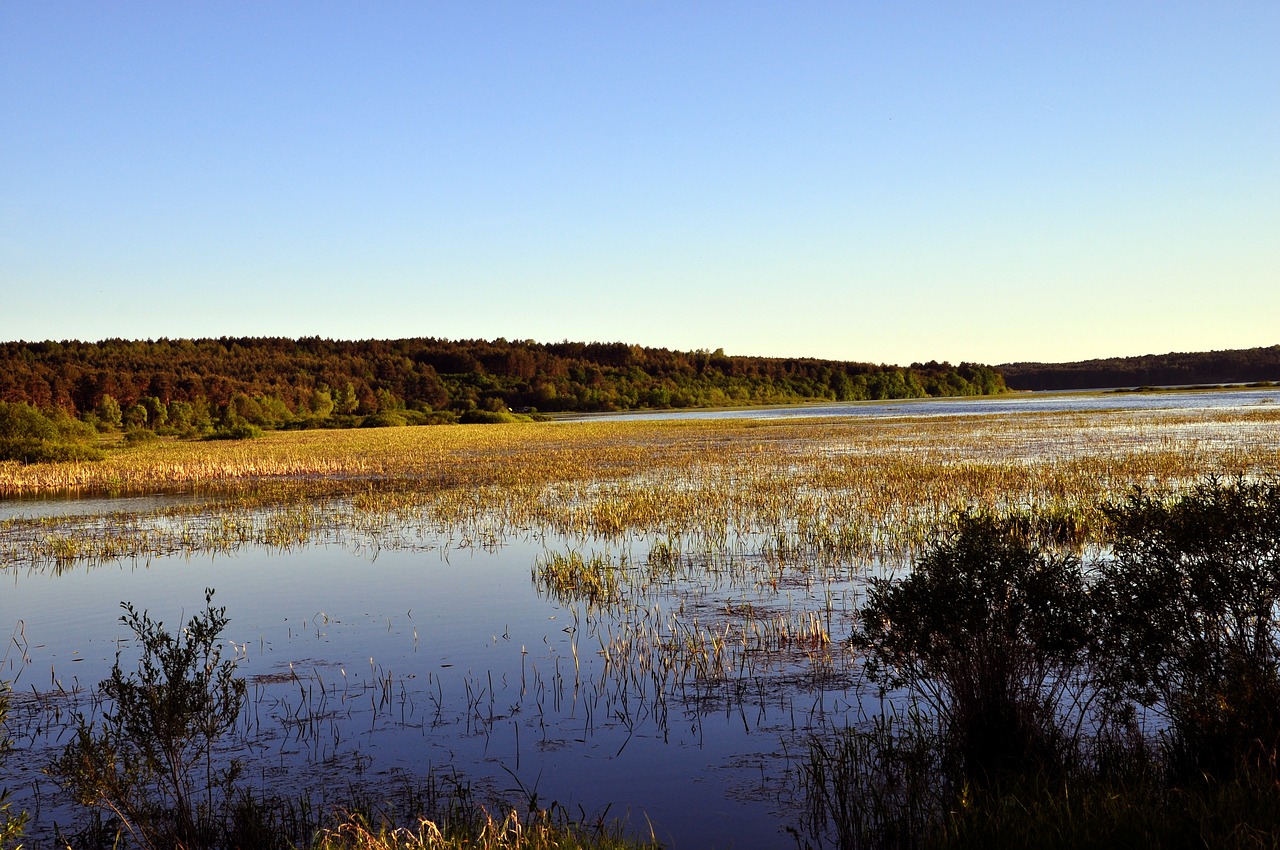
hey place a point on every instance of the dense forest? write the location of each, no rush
(1174, 369)
(312, 382)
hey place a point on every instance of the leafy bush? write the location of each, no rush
(386, 419)
(235, 431)
(991, 632)
(28, 435)
(139, 435)
(1190, 596)
(490, 417)
(150, 761)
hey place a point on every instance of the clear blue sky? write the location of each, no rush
(886, 182)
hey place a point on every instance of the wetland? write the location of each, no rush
(645, 621)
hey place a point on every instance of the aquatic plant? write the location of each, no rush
(11, 825)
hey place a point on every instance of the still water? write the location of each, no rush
(1056, 402)
(366, 667)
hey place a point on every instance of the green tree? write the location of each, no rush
(157, 412)
(109, 413)
(28, 435)
(135, 416)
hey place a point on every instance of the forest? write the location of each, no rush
(1174, 369)
(184, 384)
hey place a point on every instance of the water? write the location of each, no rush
(1057, 402)
(436, 659)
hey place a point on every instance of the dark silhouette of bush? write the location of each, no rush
(992, 633)
(1190, 596)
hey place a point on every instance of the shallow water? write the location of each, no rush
(1029, 402)
(429, 659)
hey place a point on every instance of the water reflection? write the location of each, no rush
(418, 659)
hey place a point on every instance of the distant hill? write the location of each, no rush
(1174, 369)
(314, 382)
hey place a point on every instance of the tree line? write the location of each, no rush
(276, 382)
(1173, 369)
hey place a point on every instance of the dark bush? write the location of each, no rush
(992, 633)
(1192, 630)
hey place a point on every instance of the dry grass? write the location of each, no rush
(538, 831)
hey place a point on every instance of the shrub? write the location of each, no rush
(1190, 596)
(28, 435)
(139, 435)
(385, 419)
(150, 762)
(235, 431)
(992, 633)
(490, 417)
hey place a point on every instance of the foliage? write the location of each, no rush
(275, 383)
(235, 431)
(991, 632)
(28, 435)
(1242, 813)
(139, 435)
(1191, 595)
(387, 419)
(1258, 365)
(490, 417)
(150, 761)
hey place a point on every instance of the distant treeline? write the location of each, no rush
(1175, 369)
(273, 382)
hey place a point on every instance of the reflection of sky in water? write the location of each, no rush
(449, 632)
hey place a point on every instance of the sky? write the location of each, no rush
(878, 182)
